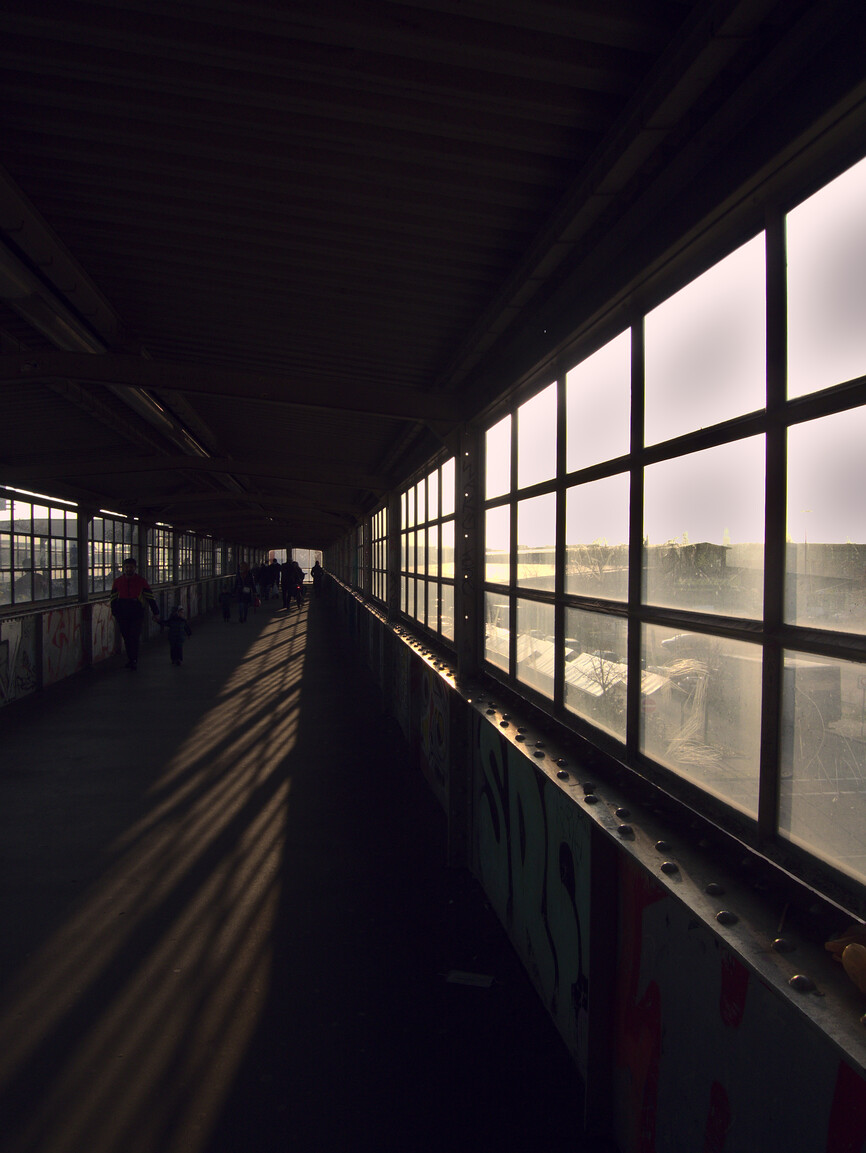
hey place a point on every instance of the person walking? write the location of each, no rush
(129, 594)
(178, 631)
(246, 591)
(226, 599)
(317, 572)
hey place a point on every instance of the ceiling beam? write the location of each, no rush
(105, 464)
(136, 372)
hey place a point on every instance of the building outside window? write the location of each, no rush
(38, 550)
(110, 539)
(186, 544)
(657, 518)
(160, 555)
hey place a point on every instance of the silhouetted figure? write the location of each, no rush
(129, 594)
(178, 631)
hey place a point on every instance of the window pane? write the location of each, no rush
(596, 520)
(448, 487)
(536, 649)
(497, 631)
(596, 673)
(447, 598)
(536, 542)
(705, 346)
(421, 507)
(497, 543)
(497, 459)
(433, 495)
(823, 788)
(704, 528)
(701, 711)
(826, 241)
(536, 438)
(598, 394)
(421, 565)
(23, 585)
(825, 582)
(433, 605)
(410, 508)
(448, 549)
(21, 519)
(433, 550)
(5, 587)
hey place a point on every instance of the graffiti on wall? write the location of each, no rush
(62, 650)
(687, 1010)
(103, 632)
(435, 741)
(532, 858)
(18, 665)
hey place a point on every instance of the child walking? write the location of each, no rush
(178, 631)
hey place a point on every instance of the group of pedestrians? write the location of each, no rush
(132, 596)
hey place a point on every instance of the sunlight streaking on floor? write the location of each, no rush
(177, 930)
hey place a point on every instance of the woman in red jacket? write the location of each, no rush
(129, 594)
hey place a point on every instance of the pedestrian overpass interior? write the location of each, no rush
(543, 326)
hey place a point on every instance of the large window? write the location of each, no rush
(38, 550)
(110, 540)
(160, 555)
(427, 550)
(379, 558)
(675, 552)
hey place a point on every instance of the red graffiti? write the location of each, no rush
(732, 996)
(718, 1120)
(639, 1014)
(846, 1132)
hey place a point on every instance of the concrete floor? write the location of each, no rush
(227, 924)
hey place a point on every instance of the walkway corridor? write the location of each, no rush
(227, 925)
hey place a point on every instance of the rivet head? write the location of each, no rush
(503, 724)
(539, 744)
(563, 775)
(520, 737)
(663, 846)
(539, 753)
(591, 799)
(522, 729)
(588, 788)
(623, 813)
(802, 983)
(780, 945)
(562, 761)
(625, 830)
(726, 917)
(670, 867)
(714, 889)
(506, 716)
(490, 712)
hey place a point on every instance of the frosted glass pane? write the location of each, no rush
(598, 394)
(497, 630)
(535, 646)
(536, 438)
(433, 495)
(822, 802)
(596, 672)
(704, 530)
(497, 545)
(536, 542)
(825, 580)
(448, 487)
(447, 599)
(448, 549)
(596, 538)
(497, 459)
(705, 348)
(826, 243)
(701, 711)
